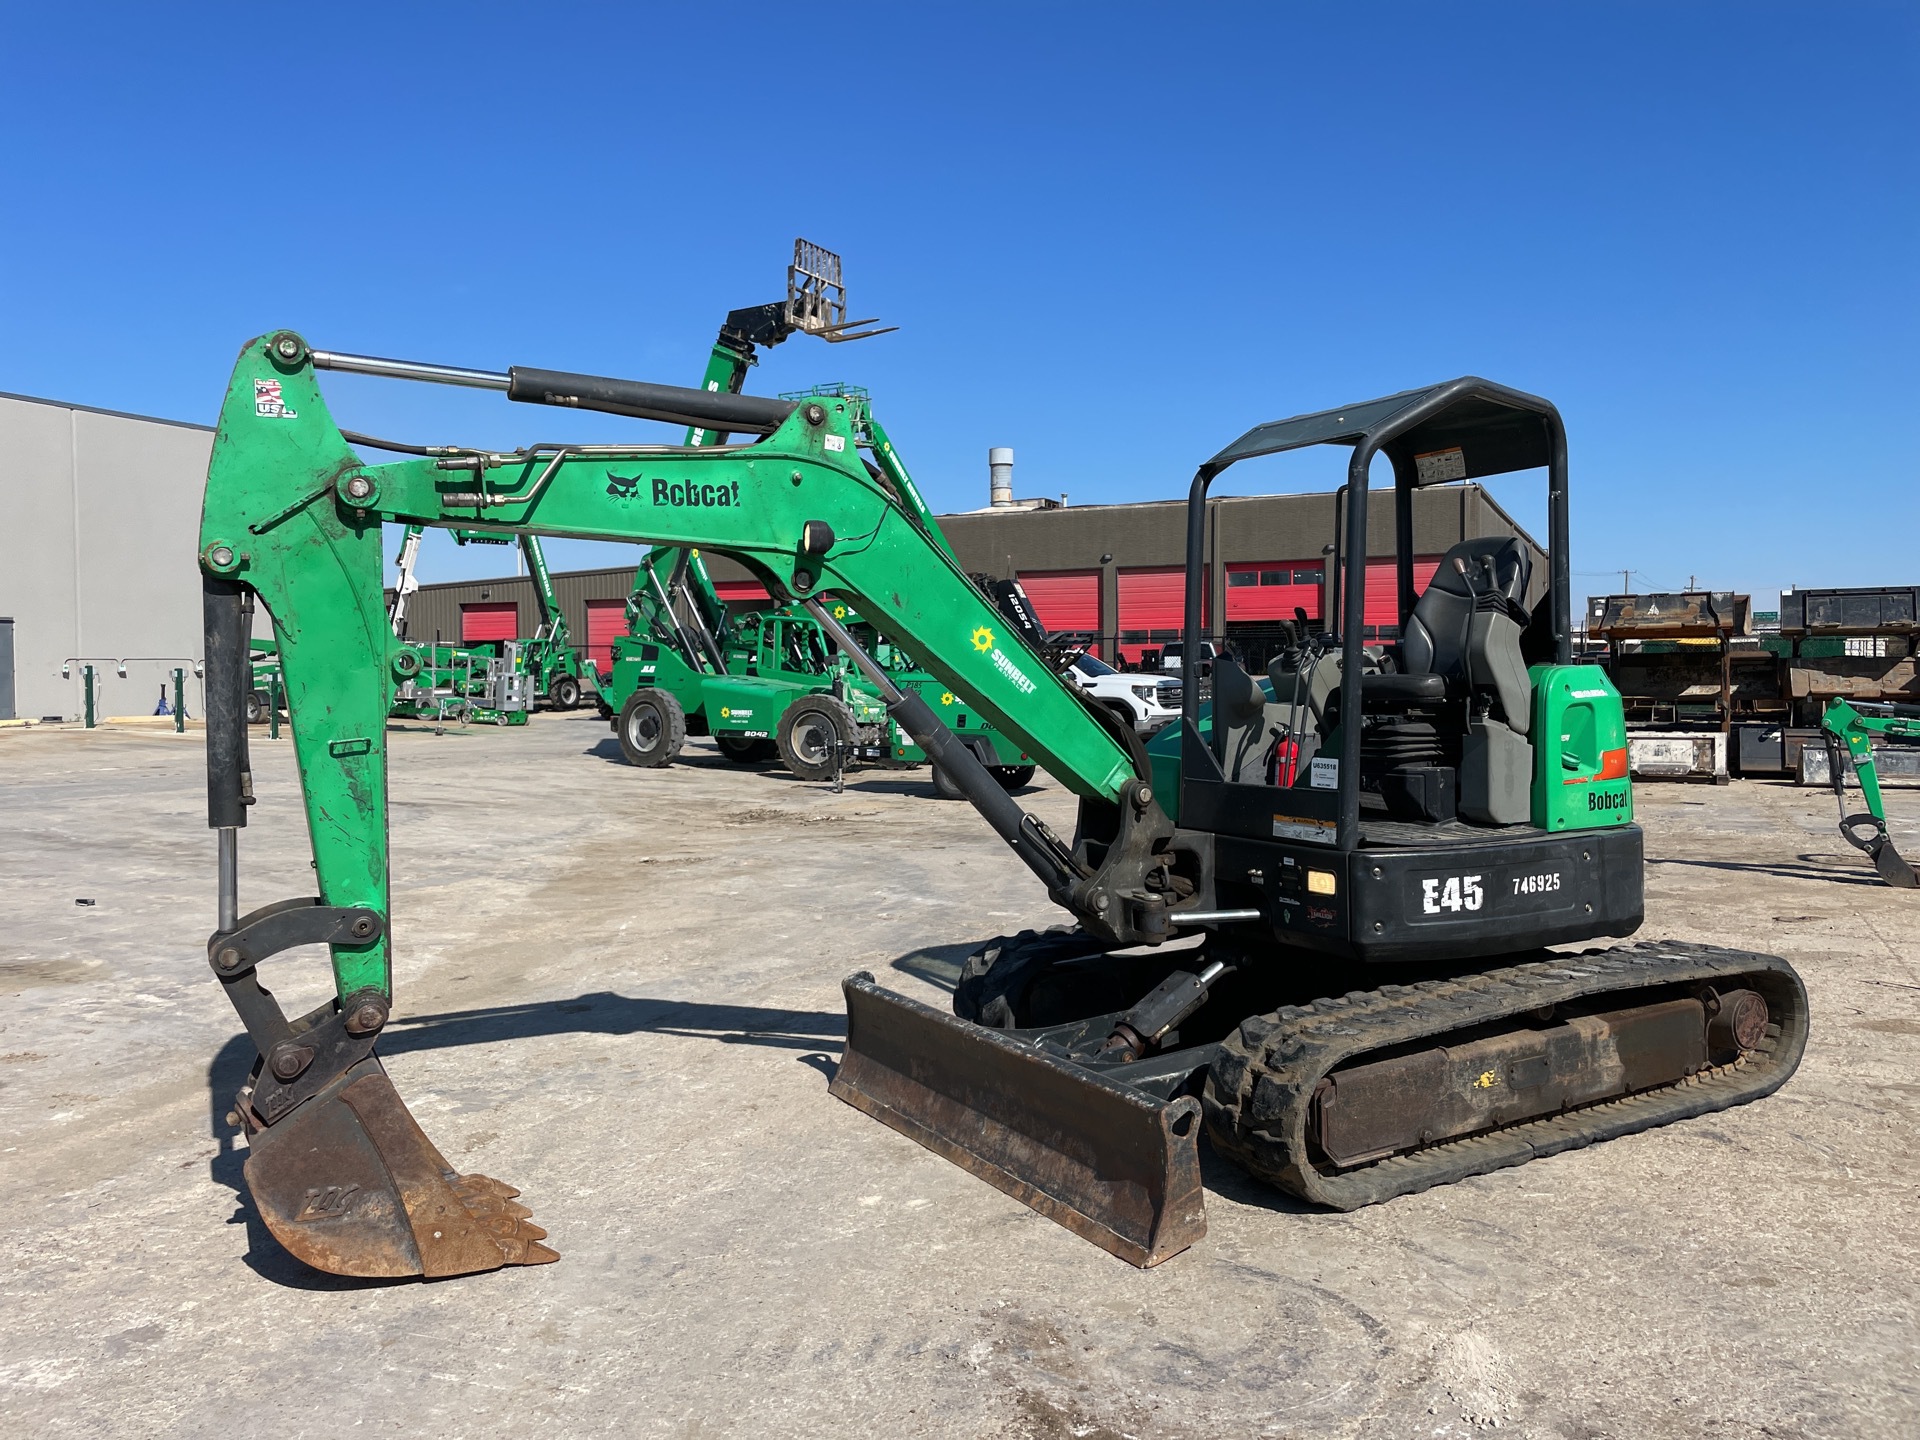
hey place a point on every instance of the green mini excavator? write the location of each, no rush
(1311, 918)
(1849, 731)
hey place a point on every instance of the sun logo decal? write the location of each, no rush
(839, 612)
(982, 639)
(946, 697)
(724, 712)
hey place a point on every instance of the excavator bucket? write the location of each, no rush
(1891, 867)
(1114, 1165)
(350, 1184)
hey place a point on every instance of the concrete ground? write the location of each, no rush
(618, 989)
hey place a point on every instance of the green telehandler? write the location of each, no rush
(1849, 731)
(769, 683)
(772, 683)
(1311, 918)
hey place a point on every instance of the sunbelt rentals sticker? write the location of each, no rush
(983, 642)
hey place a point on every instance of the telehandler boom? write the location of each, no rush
(1447, 820)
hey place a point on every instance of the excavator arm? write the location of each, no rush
(293, 517)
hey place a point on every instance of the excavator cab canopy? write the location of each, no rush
(1494, 429)
(1457, 430)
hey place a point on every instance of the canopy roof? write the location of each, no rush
(1456, 430)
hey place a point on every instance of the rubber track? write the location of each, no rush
(1258, 1091)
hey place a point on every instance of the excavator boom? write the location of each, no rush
(293, 517)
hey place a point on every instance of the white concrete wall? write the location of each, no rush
(99, 523)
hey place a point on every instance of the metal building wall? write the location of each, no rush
(97, 557)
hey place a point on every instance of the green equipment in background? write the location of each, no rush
(772, 683)
(769, 683)
(1849, 730)
(556, 669)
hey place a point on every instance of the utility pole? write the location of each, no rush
(1626, 582)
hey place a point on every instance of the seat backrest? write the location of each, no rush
(1444, 634)
(1436, 639)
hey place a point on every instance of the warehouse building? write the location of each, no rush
(1112, 573)
(103, 525)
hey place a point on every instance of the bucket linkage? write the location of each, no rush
(341, 1172)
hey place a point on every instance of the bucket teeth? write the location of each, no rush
(508, 1224)
(350, 1184)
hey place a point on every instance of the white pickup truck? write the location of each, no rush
(1146, 702)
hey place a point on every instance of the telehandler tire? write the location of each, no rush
(811, 732)
(564, 693)
(652, 728)
(1012, 777)
(943, 787)
(744, 751)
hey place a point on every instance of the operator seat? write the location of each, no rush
(1452, 634)
(1462, 644)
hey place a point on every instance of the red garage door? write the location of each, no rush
(1153, 607)
(1065, 599)
(1383, 594)
(605, 620)
(485, 620)
(744, 592)
(1271, 589)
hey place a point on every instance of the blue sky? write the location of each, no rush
(1113, 236)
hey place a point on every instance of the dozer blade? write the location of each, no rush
(351, 1185)
(1115, 1166)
